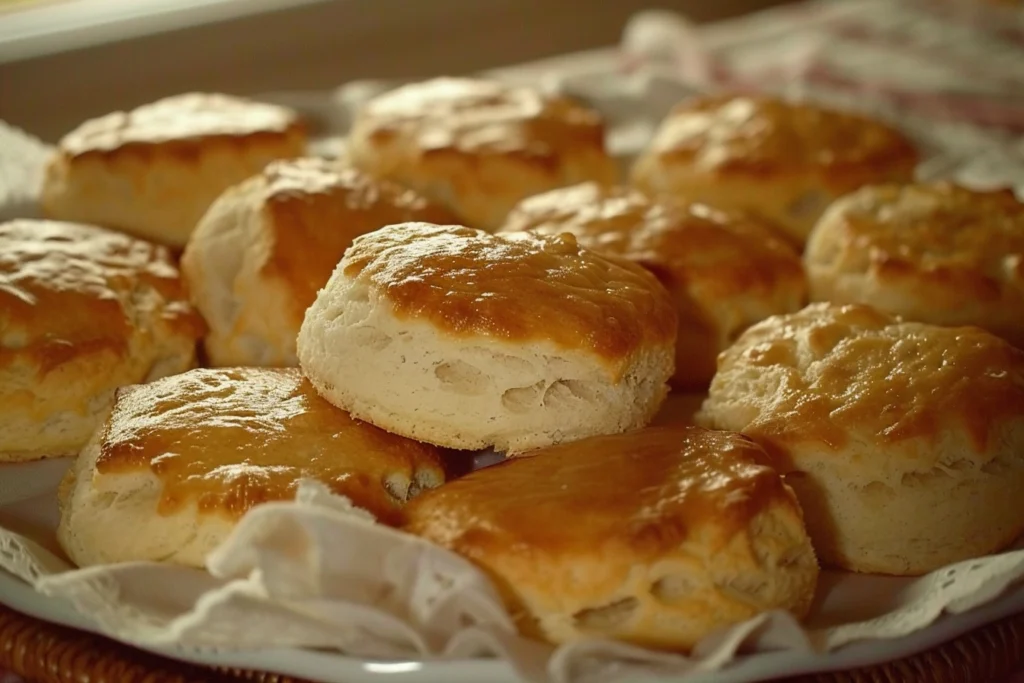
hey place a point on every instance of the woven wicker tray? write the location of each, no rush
(46, 653)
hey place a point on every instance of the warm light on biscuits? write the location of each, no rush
(935, 253)
(663, 536)
(265, 248)
(82, 311)
(904, 441)
(724, 270)
(180, 460)
(480, 146)
(783, 160)
(153, 171)
(468, 340)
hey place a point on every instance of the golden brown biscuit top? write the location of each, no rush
(648, 490)
(850, 372)
(714, 252)
(477, 116)
(972, 241)
(229, 439)
(515, 287)
(190, 117)
(68, 290)
(764, 135)
(315, 208)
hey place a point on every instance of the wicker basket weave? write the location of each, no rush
(44, 653)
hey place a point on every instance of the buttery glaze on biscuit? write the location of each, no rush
(725, 270)
(465, 115)
(64, 290)
(193, 117)
(935, 253)
(514, 287)
(257, 259)
(680, 243)
(479, 146)
(314, 209)
(154, 171)
(679, 479)
(783, 161)
(673, 532)
(972, 241)
(904, 441)
(230, 439)
(762, 135)
(871, 374)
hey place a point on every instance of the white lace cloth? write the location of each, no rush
(317, 573)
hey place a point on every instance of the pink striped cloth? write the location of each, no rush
(954, 62)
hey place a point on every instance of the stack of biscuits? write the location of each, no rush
(209, 315)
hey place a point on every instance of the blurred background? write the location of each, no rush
(62, 61)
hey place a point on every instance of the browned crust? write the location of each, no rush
(183, 127)
(229, 439)
(768, 138)
(67, 291)
(515, 287)
(314, 210)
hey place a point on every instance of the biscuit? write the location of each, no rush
(726, 271)
(152, 172)
(180, 460)
(784, 161)
(467, 340)
(935, 253)
(260, 254)
(479, 146)
(82, 311)
(656, 537)
(904, 441)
